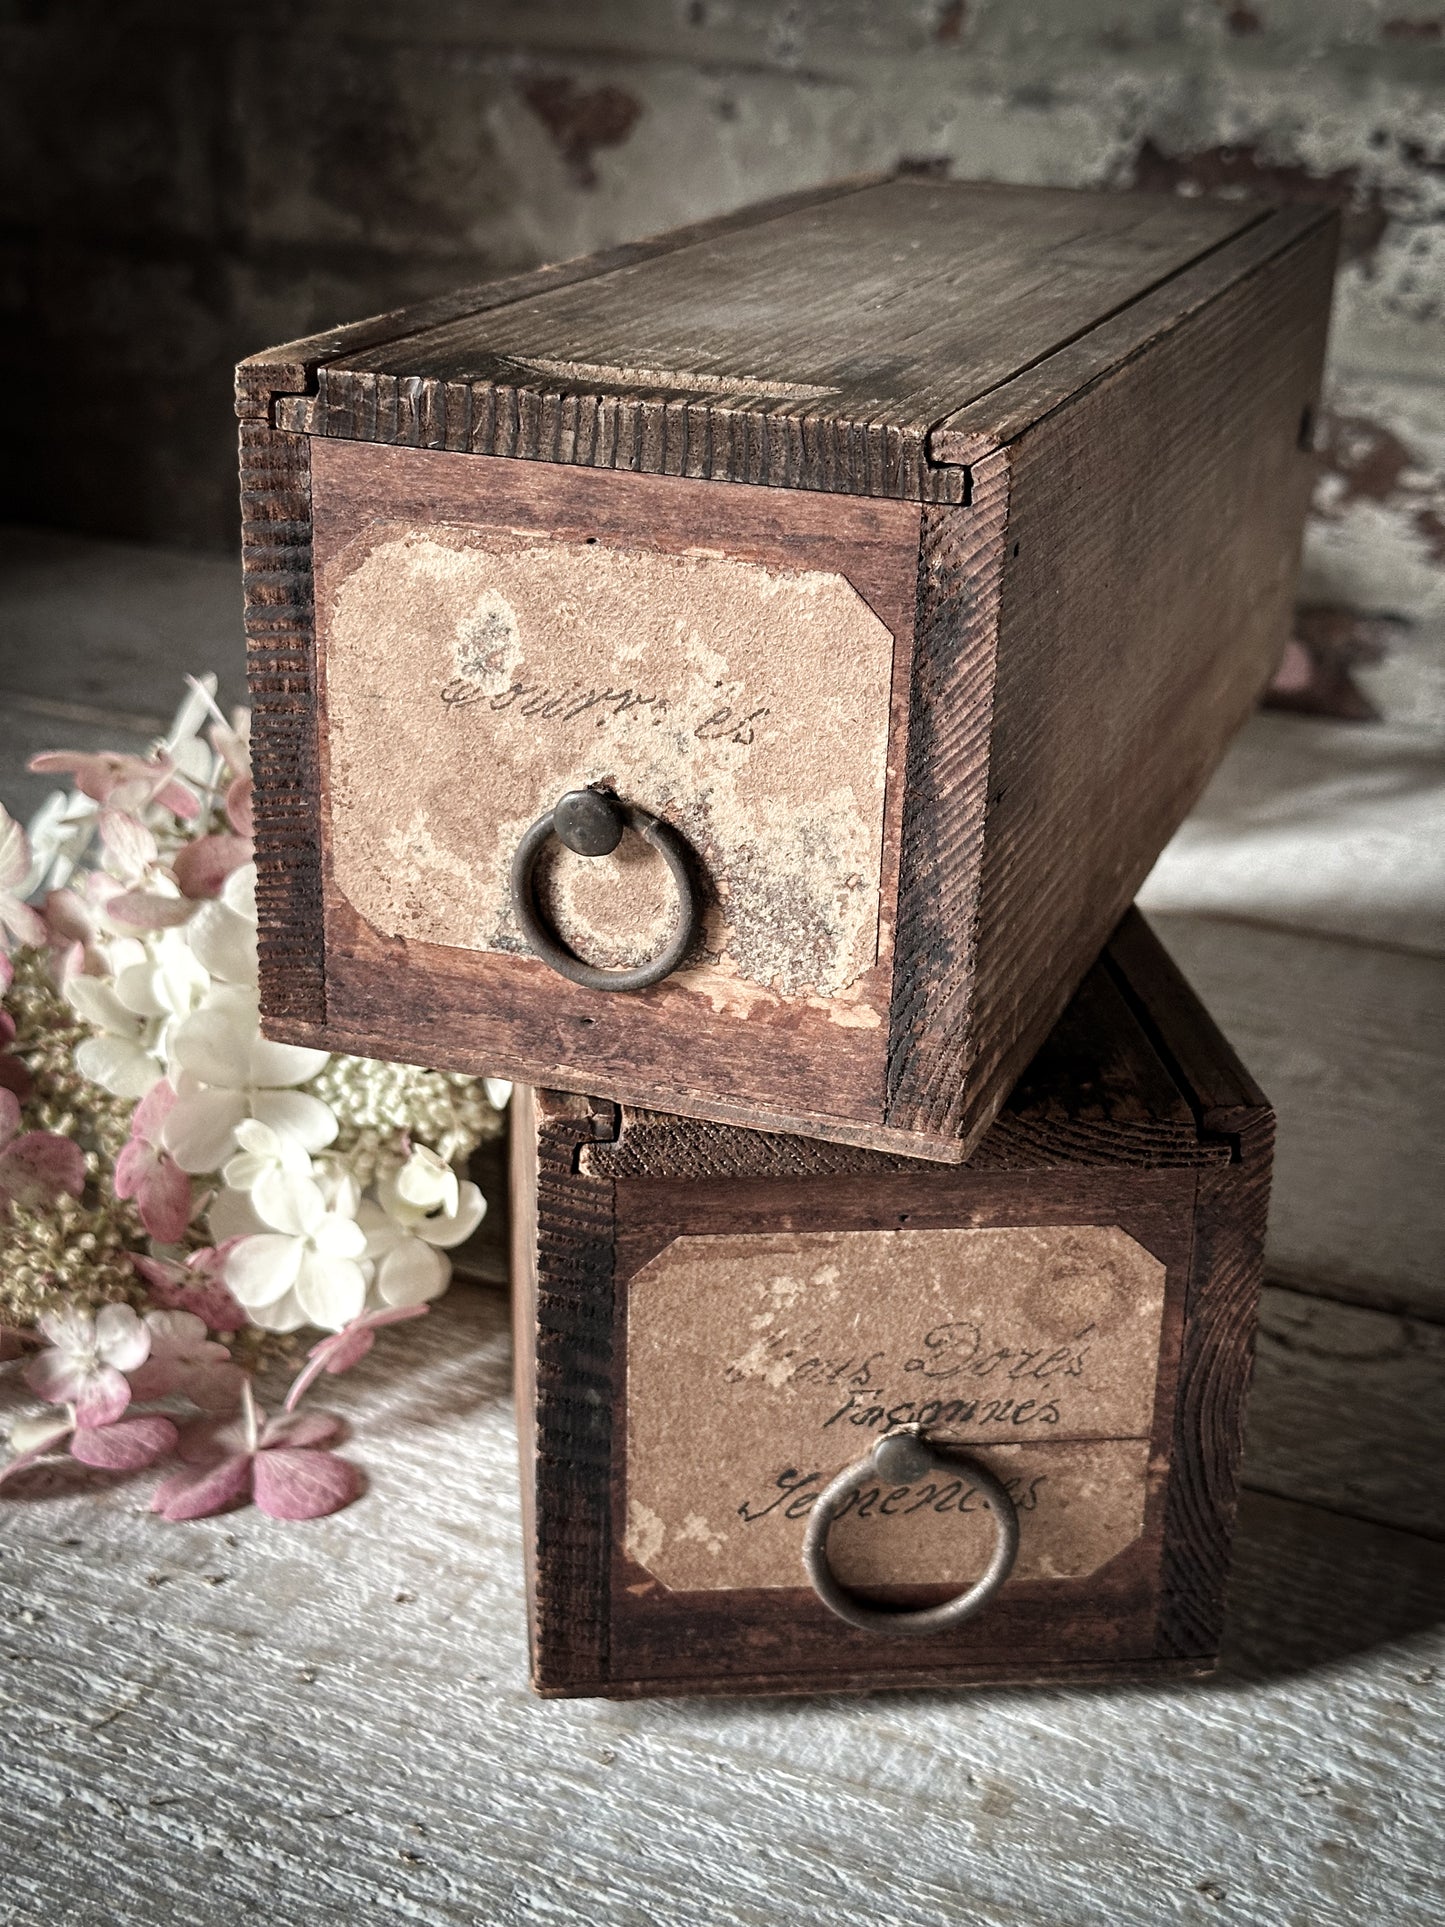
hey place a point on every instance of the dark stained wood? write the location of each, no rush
(281, 672)
(633, 1182)
(960, 572)
(1104, 1089)
(1081, 621)
(564, 1407)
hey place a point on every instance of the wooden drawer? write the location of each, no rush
(712, 1323)
(909, 550)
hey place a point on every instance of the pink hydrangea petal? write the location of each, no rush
(301, 1429)
(176, 1288)
(133, 1161)
(103, 1397)
(67, 918)
(125, 1446)
(200, 1493)
(127, 840)
(9, 1115)
(36, 1168)
(15, 1078)
(158, 1378)
(153, 1110)
(303, 1484)
(148, 910)
(179, 800)
(240, 812)
(27, 925)
(203, 866)
(164, 1200)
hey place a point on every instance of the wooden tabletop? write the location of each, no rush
(237, 1720)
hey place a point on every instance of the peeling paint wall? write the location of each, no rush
(186, 184)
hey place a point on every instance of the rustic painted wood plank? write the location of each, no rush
(1349, 1043)
(1335, 828)
(328, 1723)
(1348, 1411)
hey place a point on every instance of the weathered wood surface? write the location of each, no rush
(329, 1723)
(1160, 496)
(1348, 1410)
(1094, 577)
(1141, 1592)
(756, 353)
(1349, 1042)
(1336, 830)
(234, 1720)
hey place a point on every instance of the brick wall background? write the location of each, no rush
(183, 184)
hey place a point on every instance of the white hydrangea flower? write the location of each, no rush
(226, 1071)
(407, 1270)
(122, 1056)
(274, 1169)
(222, 933)
(59, 834)
(420, 1209)
(426, 1196)
(309, 1273)
(160, 977)
(499, 1092)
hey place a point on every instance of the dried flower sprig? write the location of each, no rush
(177, 1192)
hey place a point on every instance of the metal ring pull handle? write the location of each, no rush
(591, 822)
(902, 1458)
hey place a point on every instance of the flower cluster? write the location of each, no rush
(160, 1156)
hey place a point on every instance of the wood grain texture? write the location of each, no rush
(291, 370)
(1092, 622)
(281, 675)
(1098, 1092)
(945, 793)
(1348, 1411)
(1193, 544)
(1157, 1603)
(1003, 414)
(568, 1307)
(331, 1722)
(792, 375)
(1350, 1040)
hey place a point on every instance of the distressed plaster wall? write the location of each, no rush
(183, 184)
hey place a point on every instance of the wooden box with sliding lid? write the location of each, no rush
(718, 1328)
(749, 673)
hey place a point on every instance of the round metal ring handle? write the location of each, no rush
(902, 1458)
(591, 823)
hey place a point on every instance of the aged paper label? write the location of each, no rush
(473, 676)
(758, 1367)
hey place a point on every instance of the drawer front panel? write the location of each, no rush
(476, 668)
(759, 1366)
